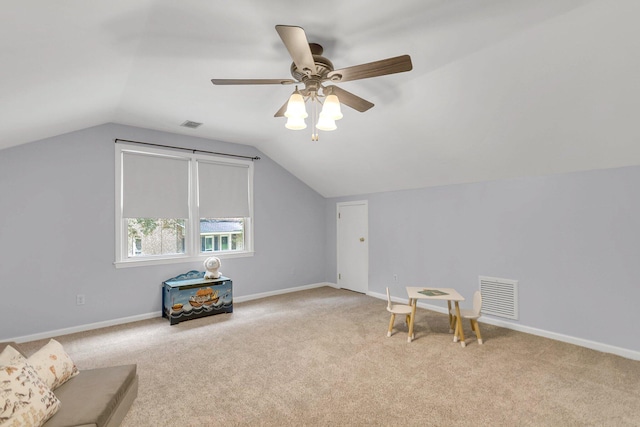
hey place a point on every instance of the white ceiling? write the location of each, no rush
(499, 88)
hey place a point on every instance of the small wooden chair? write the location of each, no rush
(472, 314)
(397, 309)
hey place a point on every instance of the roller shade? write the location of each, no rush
(155, 186)
(223, 190)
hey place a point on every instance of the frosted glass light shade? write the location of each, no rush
(295, 106)
(295, 123)
(326, 123)
(331, 107)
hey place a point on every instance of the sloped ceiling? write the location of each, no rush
(499, 88)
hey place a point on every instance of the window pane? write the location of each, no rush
(155, 236)
(227, 233)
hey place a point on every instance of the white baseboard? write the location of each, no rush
(85, 327)
(605, 348)
(280, 292)
(114, 322)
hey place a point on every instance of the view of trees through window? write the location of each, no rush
(157, 236)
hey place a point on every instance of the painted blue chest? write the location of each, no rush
(191, 296)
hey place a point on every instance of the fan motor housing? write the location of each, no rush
(323, 65)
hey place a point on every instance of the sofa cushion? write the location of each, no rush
(53, 364)
(27, 401)
(91, 397)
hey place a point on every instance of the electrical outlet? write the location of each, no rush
(79, 299)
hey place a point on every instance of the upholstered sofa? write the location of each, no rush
(93, 397)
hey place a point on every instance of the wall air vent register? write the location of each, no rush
(499, 297)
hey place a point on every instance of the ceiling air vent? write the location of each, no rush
(190, 124)
(499, 297)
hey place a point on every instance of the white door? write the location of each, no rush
(353, 246)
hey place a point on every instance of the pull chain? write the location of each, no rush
(314, 130)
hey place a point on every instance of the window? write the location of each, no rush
(137, 246)
(176, 207)
(207, 243)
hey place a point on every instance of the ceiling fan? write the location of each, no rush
(317, 75)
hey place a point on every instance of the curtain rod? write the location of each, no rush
(188, 149)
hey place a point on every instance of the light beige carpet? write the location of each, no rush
(322, 357)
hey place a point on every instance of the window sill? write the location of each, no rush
(179, 260)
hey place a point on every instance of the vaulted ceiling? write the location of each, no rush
(499, 88)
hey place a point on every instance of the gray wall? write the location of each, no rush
(57, 222)
(572, 241)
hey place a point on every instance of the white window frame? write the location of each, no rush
(192, 234)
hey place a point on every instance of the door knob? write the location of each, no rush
(362, 239)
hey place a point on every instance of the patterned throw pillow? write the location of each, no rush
(53, 364)
(10, 356)
(26, 400)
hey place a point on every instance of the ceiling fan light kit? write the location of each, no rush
(331, 107)
(295, 123)
(312, 70)
(295, 106)
(326, 123)
(296, 112)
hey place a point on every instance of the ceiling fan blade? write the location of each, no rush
(295, 40)
(252, 81)
(351, 100)
(383, 67)
(280, 112)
